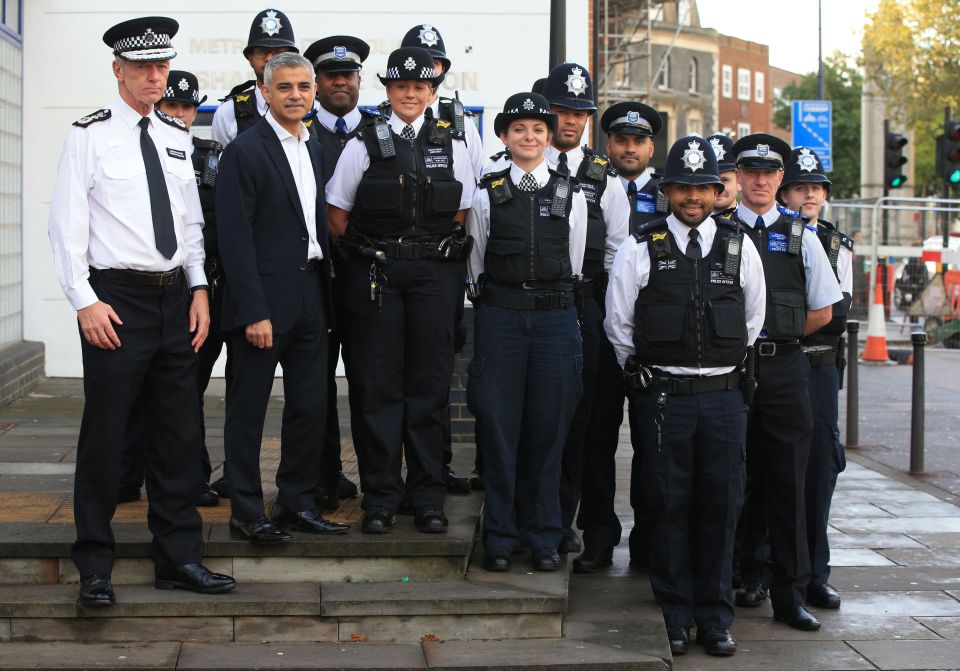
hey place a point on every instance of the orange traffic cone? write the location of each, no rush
(876, 347)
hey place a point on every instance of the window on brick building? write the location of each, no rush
(743, 129)
(743, 84)
(663, 81)
(758, 87)
(694, 75)
(726, 78)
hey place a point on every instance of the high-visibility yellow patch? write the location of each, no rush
(658, 236)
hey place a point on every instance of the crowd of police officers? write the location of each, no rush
(594, 281)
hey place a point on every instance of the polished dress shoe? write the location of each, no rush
(679, 637)
(259, 531)
(593, 559)
(326, 500)
(128, 493)
(194, 577)
(717, 641)
(546, 559)
(456, 484)
(570, 543)
(476, 481)
(823, 596)
(797, 617)
(345, 487)
(96, 591)
(221, 487)
(310, 521)
(430, 520)
(751, 596)
(208, 496)
(496, 560)
(377, 521)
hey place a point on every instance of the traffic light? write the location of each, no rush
(894, 160)
(949, 153)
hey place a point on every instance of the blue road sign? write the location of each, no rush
(812, 127)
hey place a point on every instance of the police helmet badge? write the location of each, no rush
(428, 36)
(633, 117)
(270, 24)
(576, 83)
(183, 85)
(339, 53)
(410, 64)
(528, 104)
(763, 150)
(693, 157)
(806, 160)
(718, 148)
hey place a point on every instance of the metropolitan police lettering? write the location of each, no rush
(718, 276)
(589, 191)
(777, 242)
(436, 157)
(544, 203)
(646, 203)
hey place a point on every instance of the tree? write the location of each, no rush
(911, 50)
(841, 85)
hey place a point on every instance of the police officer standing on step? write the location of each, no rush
(800, 292)
(569, 89)
(337, 62)
(685, 302)
(270, 34)
(726, 202)
(804, 189)
(397, 202)
(126, 230)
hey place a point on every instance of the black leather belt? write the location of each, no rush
(140, 277)
(529, 297)
(822, 356)
(676, 385)
(409, 250)
(776, 347)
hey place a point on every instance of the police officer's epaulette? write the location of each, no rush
(728, 214)
(99, 115)
(504, 153)
(170, 120)
(440, 131)
(656, 234)
(598, 165)
(790, 213)
(497, 186)
(207, 145)
(240, 88)
(727, 222)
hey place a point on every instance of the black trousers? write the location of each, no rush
(692, 482)
(778, 448)
(302, 353)
(588, 472)
(399, 368)
(459, 340)
(330, 463)
(156, 364)
(827, 460)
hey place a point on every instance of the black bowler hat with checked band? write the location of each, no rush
(410, 64)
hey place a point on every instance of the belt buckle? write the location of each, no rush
(767, 349)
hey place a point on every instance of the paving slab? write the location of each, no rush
(566, 655)
(301, 656)
(937, 540)
(143, 656)
(847, 579)
(857, 557)
(861, 509)
(627, 635)
(14, 571)
(451, 627)
(48, 455)
(904, 525)
(348, 569)
(941, 557)
(945, 627)
(38, 601)
(921, 509)
(36, 539)
(840, 540)
(779, 655)
(5, 629)
(913, 604)
(837, 626)
(898, 655)
(280, 629)
(121, 629)
(884, 495)
(34, 468)
(138, 571)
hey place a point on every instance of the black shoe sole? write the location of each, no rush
(240, 536)
(290, 528)
(95, 603)
(177, 584)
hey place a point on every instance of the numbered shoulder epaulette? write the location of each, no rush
(240, 88)
(205, 144)
(645, 231)
(99, 115)
(504, 153)
(486, 179)
(170, 120)
(728, 214)
(726, 222)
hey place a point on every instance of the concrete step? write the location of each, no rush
(562, 655)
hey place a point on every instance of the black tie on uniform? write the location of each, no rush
(632, 195)
(693, 247)
(163, 232)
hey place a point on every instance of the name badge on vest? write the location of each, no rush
(436, 157)
(666, 264)
(177, 153)
(589, 192)
(718, 274)
(777, 242)
(544, 204)
(646, 203)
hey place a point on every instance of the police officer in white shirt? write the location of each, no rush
(126, 229)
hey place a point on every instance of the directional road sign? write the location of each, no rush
(812, 127)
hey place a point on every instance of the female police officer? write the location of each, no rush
(400, 191)
(529, 227)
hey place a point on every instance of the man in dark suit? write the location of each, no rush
(273, 240)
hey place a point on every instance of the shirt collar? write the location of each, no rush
(261, 103)
(127, 114)
(640, 180)
(283, 133)
(749, 217)
(574, 156)
(397, 124)
(707, 230)
(329, 119)
(541, 173)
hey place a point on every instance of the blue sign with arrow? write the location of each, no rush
(812, 127)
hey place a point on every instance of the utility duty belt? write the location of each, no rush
(767, 348)
(141, 277)
(530, 296)
(821, 355)
(454, 247)
(677, 385)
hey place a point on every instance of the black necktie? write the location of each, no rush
(163, 232)
(759, 225)
(340, 126)
(693, 247)
(632, 195)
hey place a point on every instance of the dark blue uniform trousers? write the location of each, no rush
(692, 484)
(523, 388)
(826, 462)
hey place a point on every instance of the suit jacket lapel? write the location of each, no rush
(313, 148)
(279, 158)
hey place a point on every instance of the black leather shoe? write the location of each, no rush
(717, 641)
(823, 596)
(221, 487)
(96, 591)
(326, 500)
(751, 596)
(497, 560)
(679, 637)
(430, 520)
(455, 484)
(208, 496)
(259, 531)
(798, 618)
(128, 493)
(593, 559)
(194, 577)
(310, 521)
(570, 543)
(546, 559)
(476, 481)
(345, 488)
(377, 521)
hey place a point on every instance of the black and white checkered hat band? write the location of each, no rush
(150, 39)
(169, 94)
(425, 73)
(392, 73)
(517, 110)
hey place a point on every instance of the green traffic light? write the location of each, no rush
(898, 181)
(955, 176)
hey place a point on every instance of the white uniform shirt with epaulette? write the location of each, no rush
(341, 190)
(822, 289)
(328, 120)
(100, 215)
(478, 222)
(631, 273)
(471, 136)
(223, 128)
(496, 163)
(613, 203)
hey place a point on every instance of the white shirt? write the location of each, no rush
(329, 119)
(223, 128)
(640, 180)
(354, 161)
(613, 203)
(478, 222)
(298, 156)
(472, 137)
(100, 215)
(631, 273)
(495, 166)
(821, 286)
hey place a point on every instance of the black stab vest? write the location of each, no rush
(206, 158)
(592, 175)
(244, 105)
(691, 313)
(649, 205)
(832, 240)
(786, 281)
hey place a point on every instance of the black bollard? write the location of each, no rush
(853, 385)
(919, 340)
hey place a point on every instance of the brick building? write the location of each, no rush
(744, 103)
